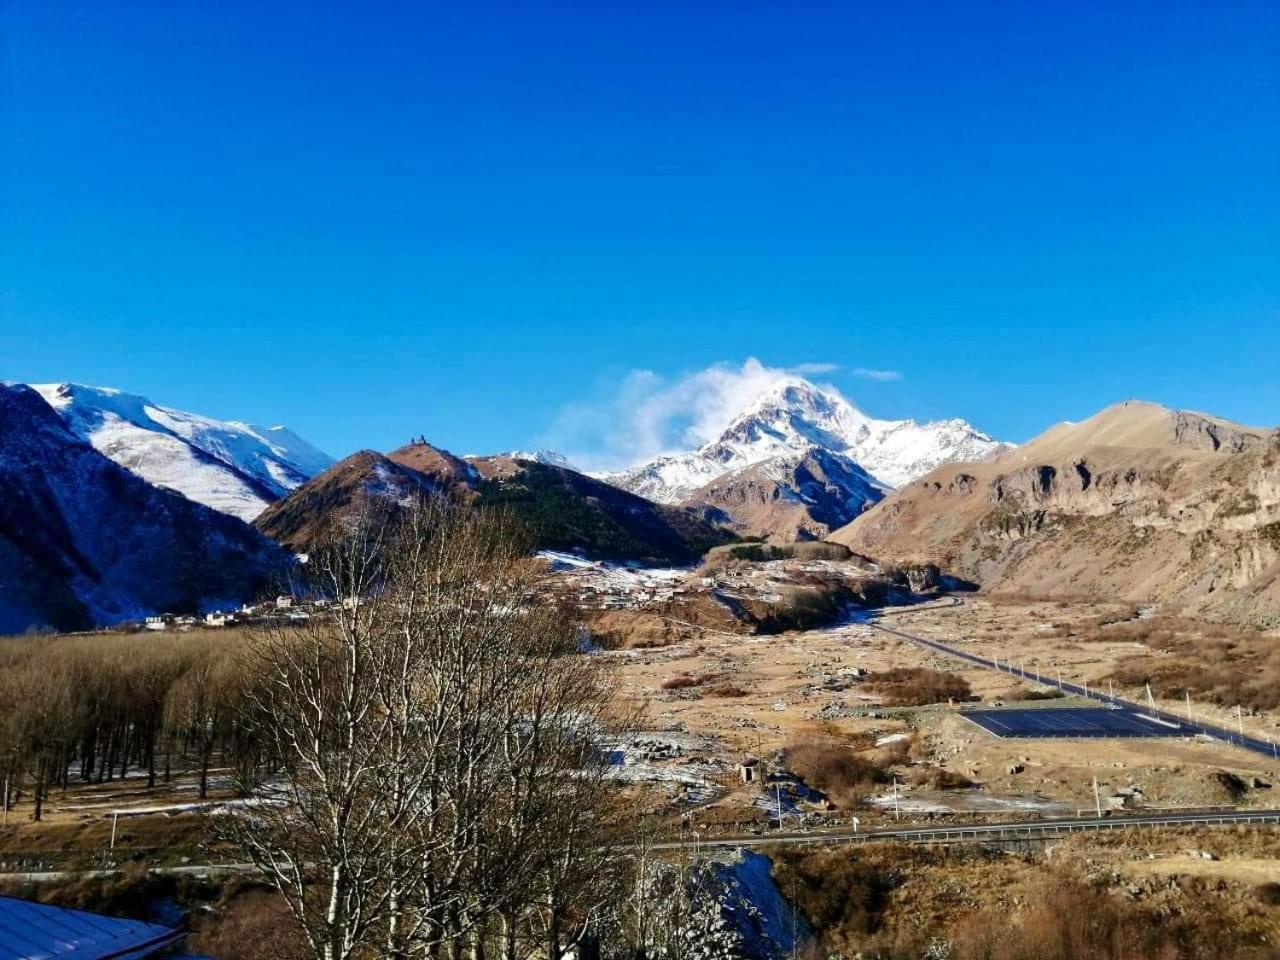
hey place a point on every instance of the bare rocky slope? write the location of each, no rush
(1138, 503)
(786, 499)
(563, 509)
(84, 542)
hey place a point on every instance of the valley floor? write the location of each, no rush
(710, 703)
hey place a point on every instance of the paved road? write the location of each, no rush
(954, 833)
(1192, 727)
(988, 832)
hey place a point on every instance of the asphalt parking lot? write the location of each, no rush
(1072, 722)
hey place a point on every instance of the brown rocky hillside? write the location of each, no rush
(788, 499)
(1137, 503)
(563, 509)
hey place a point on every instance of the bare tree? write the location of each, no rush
(439, 739)
(316, 705)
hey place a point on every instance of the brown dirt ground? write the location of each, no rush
(801, 685)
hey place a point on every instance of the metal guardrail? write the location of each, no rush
(996, 832)
(1027, 830)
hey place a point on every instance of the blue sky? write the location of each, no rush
(469, 220)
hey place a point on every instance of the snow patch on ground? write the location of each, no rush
(768, 925)
(966, 801)
(892, 738)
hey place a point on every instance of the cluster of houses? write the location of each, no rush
(607, 596)
(283, 609)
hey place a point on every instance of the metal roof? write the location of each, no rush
(34, 931)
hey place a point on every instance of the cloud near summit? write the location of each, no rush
(647, 415)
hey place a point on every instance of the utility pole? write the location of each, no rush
(1190, 719)
(1151, 701)
(777, 789)
(896, 812)
(115, 818)
(1097, 798)
(1111, 690)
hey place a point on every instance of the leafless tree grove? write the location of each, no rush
(98, 709)
(441, 787)
(424, 770)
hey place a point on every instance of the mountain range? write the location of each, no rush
(562, 509)
(112, 506)
(799, 461)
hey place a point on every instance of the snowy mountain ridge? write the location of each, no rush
(85, 542)
(793, 417)
(231, 466)
(552, 458)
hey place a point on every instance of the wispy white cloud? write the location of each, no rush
(646, 415)
(883, 376)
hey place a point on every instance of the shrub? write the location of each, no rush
(1218, 663)
(839, 772)
(1024, 694)
(681, 682)
(1269, 894)
(917, 686)
(1066, 919)
(253, 924)
(727, 690)
(841, 896)
(936, 778)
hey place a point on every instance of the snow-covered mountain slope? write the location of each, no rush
(233, 467)
(84, 542)
(552, 458)
(794, 416)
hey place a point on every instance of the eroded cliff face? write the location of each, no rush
(1191, 517)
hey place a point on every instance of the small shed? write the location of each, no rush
(750, 770)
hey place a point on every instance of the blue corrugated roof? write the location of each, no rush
(33, 931)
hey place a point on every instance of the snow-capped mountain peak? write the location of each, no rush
(229, 465)
(793, 416)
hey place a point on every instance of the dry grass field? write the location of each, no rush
(739, 696)
(1147, 894)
